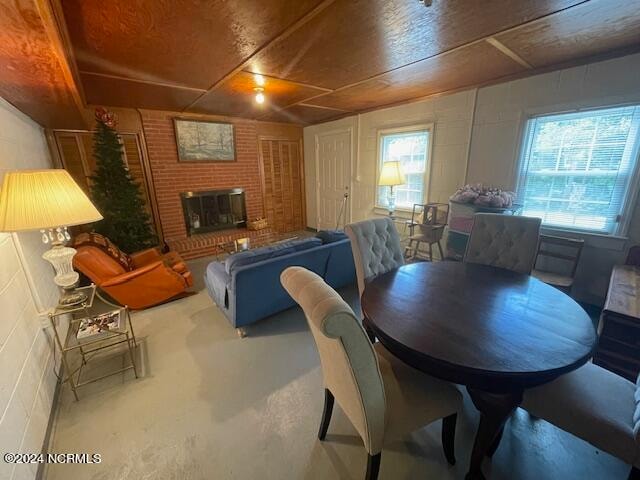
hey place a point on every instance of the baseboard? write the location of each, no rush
(40, 473)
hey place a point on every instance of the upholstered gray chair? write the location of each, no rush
(381, 396)
(595, 405)
(504, 241)
(376, 248)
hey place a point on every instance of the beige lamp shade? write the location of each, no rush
(391, 174)
(43, 199)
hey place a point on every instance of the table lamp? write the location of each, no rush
(49, 201)
(390, 176)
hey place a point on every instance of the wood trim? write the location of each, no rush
(151, 192)
(52, 144)
(146, 166)
(281, 36)
(263, 184)
(56, 28)
(83, 159)
(125, 157)
(508, 52)
(303, 187)
(135, 80)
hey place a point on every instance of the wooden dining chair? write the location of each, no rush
(503, 241)
(564, 250)
(376, 248)
(427, 226)
(595, 405)
(380, 395)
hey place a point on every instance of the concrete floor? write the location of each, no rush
(212, 406)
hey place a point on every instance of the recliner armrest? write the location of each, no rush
(138, 272)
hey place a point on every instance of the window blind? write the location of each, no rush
(576, 168)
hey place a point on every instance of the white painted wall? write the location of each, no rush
(501, 113)
(478, 139)
(452, 118)
(27, 381)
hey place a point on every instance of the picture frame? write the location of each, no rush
(204, 141)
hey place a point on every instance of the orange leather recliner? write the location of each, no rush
(140, 280)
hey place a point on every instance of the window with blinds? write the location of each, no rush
(576, 168)
(411, 149)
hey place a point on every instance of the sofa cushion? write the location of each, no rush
(257, 255)
(303, 243)
(330, 236)
(271, 251)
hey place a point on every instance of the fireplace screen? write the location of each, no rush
(213, 210)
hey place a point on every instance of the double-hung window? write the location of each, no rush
(577, 169)
(410, 147)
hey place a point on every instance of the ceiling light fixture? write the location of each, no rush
(426, 3)
(259, 79)
(259, 94)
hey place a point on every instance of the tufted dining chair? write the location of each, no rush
(595, 405)
(381, 396)
(376, 248)
(504, 241)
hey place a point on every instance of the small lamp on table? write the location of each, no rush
(49, 201)
(391, 176)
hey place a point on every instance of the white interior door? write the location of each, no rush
(333, 163)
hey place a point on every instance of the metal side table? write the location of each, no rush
(94, 336)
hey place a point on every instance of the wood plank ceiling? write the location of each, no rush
(322, 59)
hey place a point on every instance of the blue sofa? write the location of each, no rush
(246, 286)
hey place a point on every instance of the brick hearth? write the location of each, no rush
(208, 243)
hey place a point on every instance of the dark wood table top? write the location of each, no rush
(479, 326)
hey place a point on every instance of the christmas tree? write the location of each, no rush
(116, 195)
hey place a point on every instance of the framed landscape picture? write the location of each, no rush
(202, 141)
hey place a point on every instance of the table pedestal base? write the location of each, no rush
(494, 408)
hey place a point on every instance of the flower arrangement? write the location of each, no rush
(483, 195)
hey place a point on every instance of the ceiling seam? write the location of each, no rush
(281, 36)
(451, 50)
(623, 51)
(502, 48)
(135, 80)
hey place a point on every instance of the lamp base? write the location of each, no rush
(61, 258)
(391, 201)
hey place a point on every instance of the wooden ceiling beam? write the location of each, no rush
(56, 28)
(281, 36)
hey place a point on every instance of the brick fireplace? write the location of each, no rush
(213, 210)
(171, 178)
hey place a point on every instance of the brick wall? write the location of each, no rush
(171, 177)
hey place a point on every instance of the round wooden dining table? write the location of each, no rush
(492, 330)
